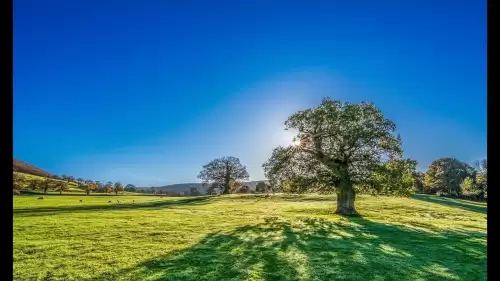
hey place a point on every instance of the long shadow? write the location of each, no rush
(319, 249)
(450, 202)
(113, 206)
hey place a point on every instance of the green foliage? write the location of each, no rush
(118, 187)
(60, 186)
(444, 175)
(418, 183)
(468, 186)
(261, 187)
(130, 188)
(108, 187)
(482, 175)
(338, 145)
(34, 184)
(223, 171)
(395, 177)
(18, 181)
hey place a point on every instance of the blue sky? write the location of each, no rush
(146, 92)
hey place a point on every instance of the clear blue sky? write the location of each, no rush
(146, 92)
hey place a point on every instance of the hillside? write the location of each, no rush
(181, 187)
(23, 167)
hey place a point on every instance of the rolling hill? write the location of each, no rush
(182, 187)
(22, 167)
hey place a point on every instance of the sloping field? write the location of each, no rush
(246, 237)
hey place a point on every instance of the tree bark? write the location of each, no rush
(345, 200)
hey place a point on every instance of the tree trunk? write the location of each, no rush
(60, 192)
(345, 200)
(227, 180)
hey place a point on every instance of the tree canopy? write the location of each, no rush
(223, 171)
(338, 145)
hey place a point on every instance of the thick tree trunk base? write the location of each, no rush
(345, 203)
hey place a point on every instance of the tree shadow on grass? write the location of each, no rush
(114, 206)
(450, 202)
(319, 249)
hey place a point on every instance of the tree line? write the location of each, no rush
(62, 184)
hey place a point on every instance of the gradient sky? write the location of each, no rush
(146, 92)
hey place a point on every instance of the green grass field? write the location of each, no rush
(241, 237)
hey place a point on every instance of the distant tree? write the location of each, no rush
(214, 188)
(468, 186)
(34, 184)
(394, 177)
(193, 191)
(223, 171)
(261, 187)
(418, 183)
(108, 187)
(130, 188)
(338, 146)
(482, 175)
(18, 181)
(80, 180)
(60, 186)
(70, 179)
(90, 186)
(100, 186)
(445, 175)
(243, 189)
(118, 187)
(47, 184)
(234, 186)
(63, 177)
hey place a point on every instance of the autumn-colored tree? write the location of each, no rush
(60, 186)
(108, 187)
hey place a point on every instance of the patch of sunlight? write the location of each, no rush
(392, 251)
(345, 234)
(358, 257)
(441, 271)
(255, 271)
(237, 250)
(299, 261)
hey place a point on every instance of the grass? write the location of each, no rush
(242, 237)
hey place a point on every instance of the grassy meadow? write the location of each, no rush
(247, 237)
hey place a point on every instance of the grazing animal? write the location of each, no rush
(40, 198)
(81, 200)
(109, 201)
(118, 201)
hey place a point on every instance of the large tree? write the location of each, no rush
(223, 171)
(338, 145)
(445, 175)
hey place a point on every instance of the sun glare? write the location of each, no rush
(296, 142)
